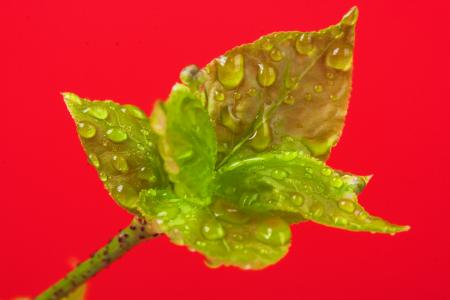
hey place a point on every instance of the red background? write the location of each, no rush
(53, 207)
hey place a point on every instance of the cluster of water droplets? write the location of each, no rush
(107, 141)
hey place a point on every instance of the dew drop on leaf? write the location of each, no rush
(97, 112)
(251, 92)
(229, 120)
(317, 210)
(276, 54)
(297, 199)
(266, 75)
(266, 44)
(289, 99)
(86, 130)
(228, 213)
(103, 176)
(135, 112)
(340, 57)
(116, 135)
(340, 220)
(318, 88)
(304, 44)
(230, 70)
(326, 171)
(219, 95)
(347, 206)
(279, 174)
(120, 163)
(308, 97)
(213, 230)
(273, 231)
(125, 194)
(93, 160)
(262, 137)
(337, 182)
(147, 174)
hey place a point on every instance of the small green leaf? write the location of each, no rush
(294, 84)
(295, 182)
(222, 232)
(187, 143)
(119, 143)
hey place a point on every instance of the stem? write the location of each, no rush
(136, 232)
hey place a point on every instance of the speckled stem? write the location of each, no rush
(127, 238)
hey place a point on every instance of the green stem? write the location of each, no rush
(136, 232)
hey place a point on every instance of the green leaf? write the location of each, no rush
(223, 233)
(187, 143)
(286, 84)
(120, 144)
(295, 182)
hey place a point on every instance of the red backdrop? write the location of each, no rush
(54, 208)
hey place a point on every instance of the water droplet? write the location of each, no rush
(86, 130)
(72, 98)
(317, 211)
(167, 212)
(135, 112)
(273, 231)
(228, 213)
(288, 156)
(318, 88)
(237, 95)
(125, 194)
(93, 160)
(116, 135)
(219, 95)
(266, 44)
(230, 70)
(279, 174)
(120, 163)
(262, 137)
(229, 120)
(276, 54)
(247, 199)
(213, 230)
(266, 75)
(147, 174)
(304, 44)
(289, 100)
(308, 97)
(330, 75)
(337, 182)
(347, 206)
(340, 220)
(326, 172)
(340, 57)
(251, 92)
(297, 199)
(97, 112)
(103, 176)
(291, 82)
(362, 215)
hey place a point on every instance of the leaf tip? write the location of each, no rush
(351, 16)
(72, 100)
